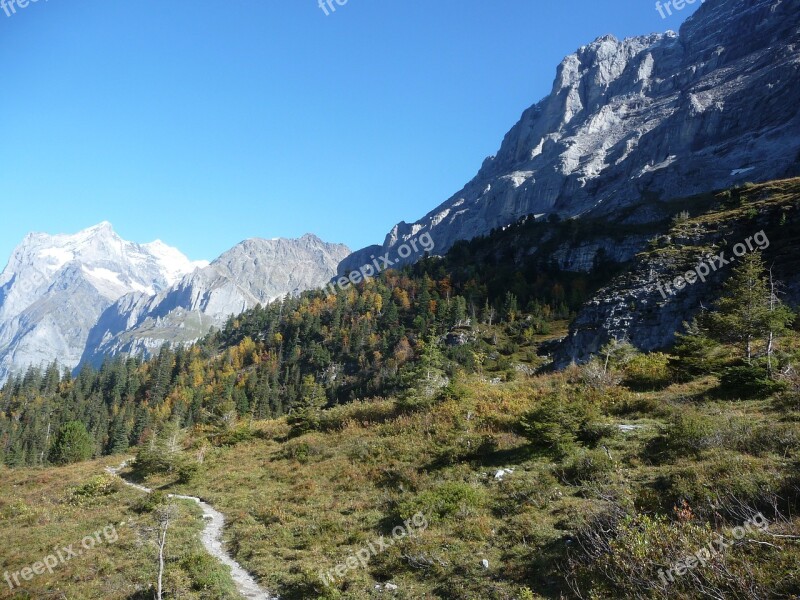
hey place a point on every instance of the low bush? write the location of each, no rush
(687, 433)
(517, 494)
(648, 371)
(595, 375)
(301, 450)
(147, 503)
(188, 471)
(620, 555)
(448, 500)
(243, 432)
(362, 412)
(588, 466)
(748, 381)
(97, 487)
(707, 486)
(208, 575)
(559, 422)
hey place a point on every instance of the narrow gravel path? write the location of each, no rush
(212, 540)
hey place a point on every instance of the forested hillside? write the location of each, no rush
(486, 307)
(480, 305)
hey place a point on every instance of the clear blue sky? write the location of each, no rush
(204, 123)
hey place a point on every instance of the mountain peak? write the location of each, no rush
(102, 228)
(630, 123)
(55, 287)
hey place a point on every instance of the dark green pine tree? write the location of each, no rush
(119, 434)
(162, 375)
(305, 416)
(73, 444)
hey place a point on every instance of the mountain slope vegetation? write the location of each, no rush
(318, 424)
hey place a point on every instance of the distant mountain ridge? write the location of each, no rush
(253, 272)
(656, 117)
(76, 298)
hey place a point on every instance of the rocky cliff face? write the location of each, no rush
(639, 308)
(637, 122)
(254, 272)
(55, 287)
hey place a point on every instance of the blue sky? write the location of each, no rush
(204, 123)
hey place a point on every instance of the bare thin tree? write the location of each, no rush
(164, 516)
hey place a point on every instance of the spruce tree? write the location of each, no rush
(305, 416)
(73, 444)
(749, 309)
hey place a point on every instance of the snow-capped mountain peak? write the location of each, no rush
(55, 287)
(93, 294)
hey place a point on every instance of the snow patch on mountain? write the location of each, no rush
(55, 287)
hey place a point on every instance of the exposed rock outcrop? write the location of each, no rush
(635, 308)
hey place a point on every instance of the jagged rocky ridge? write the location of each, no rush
(79, 298)
(638, 122)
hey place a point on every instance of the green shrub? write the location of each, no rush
(620, 556)
(241, 433)
(448, 500)
(648, 371)
(689, 432)
(592, 432)
(300, 450)
(364, 412)
(747, 381)
(764, 438)
(97, 487)
(640, 404)
(588, 466)
(526, 593)
(147, 503)
(208, 575)
(710, 485)
(517, 494)
(559, 422)
(187, 472)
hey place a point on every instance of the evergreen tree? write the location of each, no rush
(749, 310)
(425, 377)
(305, 416)
(73, 444)
(510, 308)
(695, 353)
